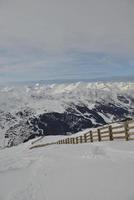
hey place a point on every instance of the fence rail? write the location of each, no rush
(122, 130)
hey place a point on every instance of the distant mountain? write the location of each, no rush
(30, 111)
(128, 78)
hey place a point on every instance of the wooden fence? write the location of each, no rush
(122, 130)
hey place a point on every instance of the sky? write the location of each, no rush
(66, 39)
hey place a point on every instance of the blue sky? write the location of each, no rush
(68, 39)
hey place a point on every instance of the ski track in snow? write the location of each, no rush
(98, 171)
(33, 189)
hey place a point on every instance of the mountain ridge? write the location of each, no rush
(30, 111)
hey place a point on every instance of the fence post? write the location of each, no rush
(81, 139)
(73, 141)
(85, 138)
(68, 140)
(76, 140)
(126, 130)
(99, 135)
(91, 136)
(110, 133)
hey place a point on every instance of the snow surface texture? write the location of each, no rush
(29, 111)
(98, 171)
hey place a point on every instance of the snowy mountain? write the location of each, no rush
(29, 111)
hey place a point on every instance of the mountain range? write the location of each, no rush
(28, 111)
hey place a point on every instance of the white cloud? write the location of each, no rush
(59, 25)
(47, 39)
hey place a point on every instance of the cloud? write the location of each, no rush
(75, 65)
(92, 25)
(41, 38)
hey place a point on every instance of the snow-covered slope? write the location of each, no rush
(26, 111)
(98, 171)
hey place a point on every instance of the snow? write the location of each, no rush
(39, 99)
(92, 171)
(57, 97)
(97, 171)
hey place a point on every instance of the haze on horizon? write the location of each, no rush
(66, 39)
